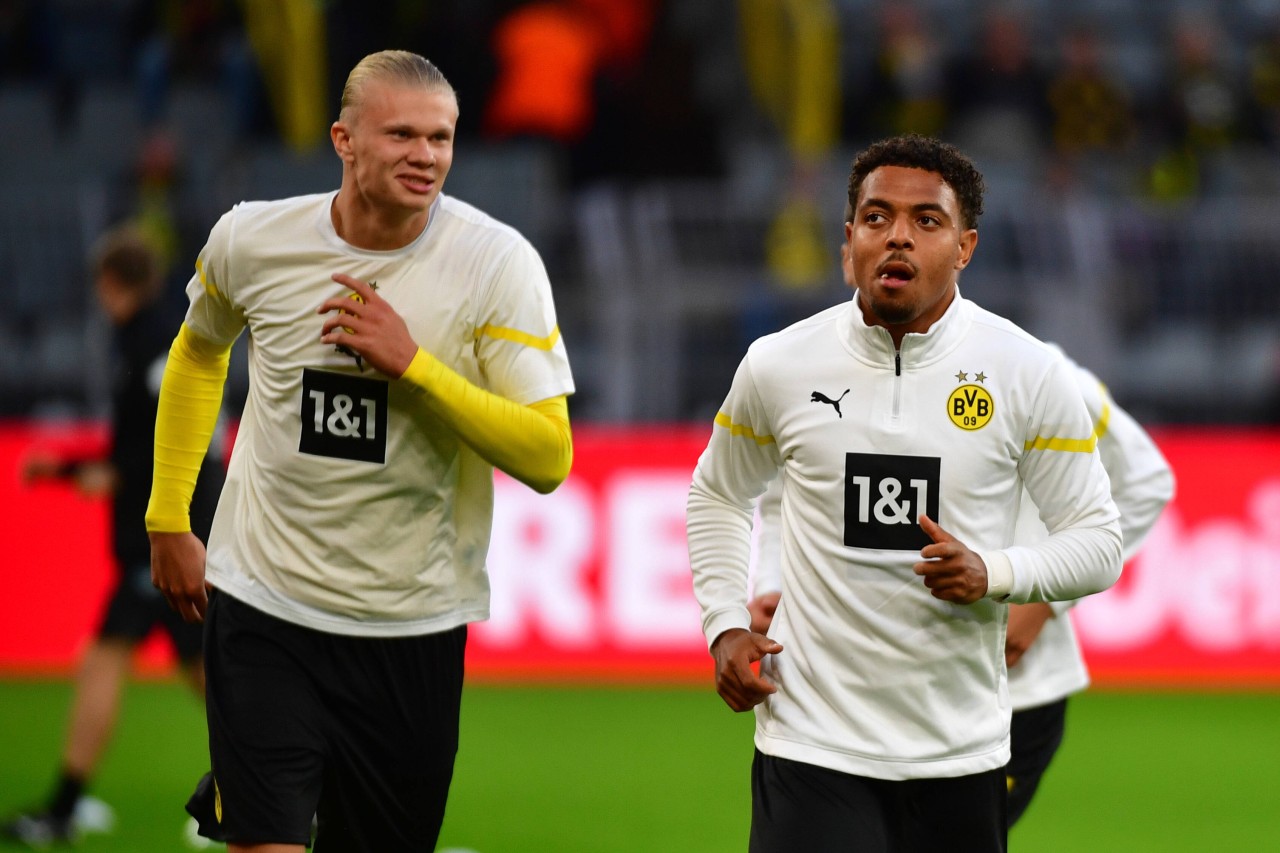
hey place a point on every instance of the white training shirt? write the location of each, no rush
(1141, 485)
(348, 507)
(877, 677)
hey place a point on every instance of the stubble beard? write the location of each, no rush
(891, 312)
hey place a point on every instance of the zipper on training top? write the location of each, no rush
(897, 384)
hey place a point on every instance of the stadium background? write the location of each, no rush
(681, 168)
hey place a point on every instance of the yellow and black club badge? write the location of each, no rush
(347, 351)
(970, 406)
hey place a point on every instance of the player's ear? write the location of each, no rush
(340, 134)
(968, 242)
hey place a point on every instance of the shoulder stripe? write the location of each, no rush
(519, 337)
(723, 420)
(209, 287)
(1068, 445)
(1104, 419)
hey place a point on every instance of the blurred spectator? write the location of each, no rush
(648, 83)
(288, 39)
(627, 26)
(150, 195)
(1201, 113)
(1264, 85)
(1091, 110)
(906, 89)
(791, 52)
(549, 53)
(998, 93)
(130, 286)
(202, 41)
(1092, 113)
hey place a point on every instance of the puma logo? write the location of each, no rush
(819, 397)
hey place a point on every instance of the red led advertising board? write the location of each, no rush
(592, 581)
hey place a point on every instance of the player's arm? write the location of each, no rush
(533, 443)
(187, 413)
(93, 476)
(1142, 481)
(719, 537)
(1026, 621)
(766, 589)
(1066, 480)
(740, 460)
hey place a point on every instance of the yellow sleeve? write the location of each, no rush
(532, 443)
(190, 399)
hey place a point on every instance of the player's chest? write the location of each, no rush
(952, 424)
(284, 320)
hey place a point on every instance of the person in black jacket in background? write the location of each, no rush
(128, 278)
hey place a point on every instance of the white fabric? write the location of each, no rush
(378, 548)
(877, 677)
(1141, 485)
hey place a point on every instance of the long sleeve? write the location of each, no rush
(1066, 480)
(532, 443)
(190, 399)
(733, 471)
(1142, 482)
(769, 542)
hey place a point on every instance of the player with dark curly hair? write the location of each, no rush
(921, 152)
(882, 704)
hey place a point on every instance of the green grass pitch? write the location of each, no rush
(664, 770)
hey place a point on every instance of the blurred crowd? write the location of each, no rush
(1164, 105)
(1162, 86)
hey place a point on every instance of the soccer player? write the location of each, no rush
(403, 344)
(1041, 651)
(883, 714)
(129, 283)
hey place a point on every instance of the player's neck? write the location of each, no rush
(378, 229)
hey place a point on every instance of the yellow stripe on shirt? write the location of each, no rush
(1077, 445)
(725, 421)
(1069, 445)
(209, 288)
(1104, 419)
(519, 337)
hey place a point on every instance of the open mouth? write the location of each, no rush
(896, 272)
(417, 183)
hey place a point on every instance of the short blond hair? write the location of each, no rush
(391, 66)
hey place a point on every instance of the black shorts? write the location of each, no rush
(1036, 735)
(359, 732)
(136, 607)
(798, 806)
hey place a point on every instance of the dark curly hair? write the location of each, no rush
(932, 155)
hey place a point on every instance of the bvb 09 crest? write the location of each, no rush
(970, 407)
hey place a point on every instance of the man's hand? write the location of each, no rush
(734, 652)
(1026, 621)
(950, 570)
(762, 608)
(96, 479)
(40, 466)
(177, 570)
(366, 324)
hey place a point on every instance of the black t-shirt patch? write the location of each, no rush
(344, 417)
(884, 497)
